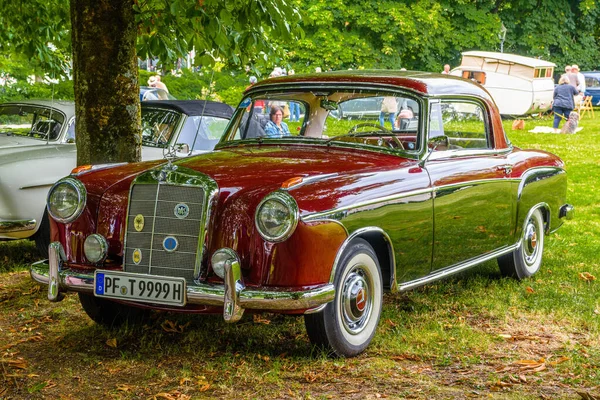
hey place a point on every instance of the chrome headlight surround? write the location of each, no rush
(280, 201)
(77, 188)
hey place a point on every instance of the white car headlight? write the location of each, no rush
(66, 200)
(277, 216)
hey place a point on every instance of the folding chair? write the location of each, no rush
(584, 106)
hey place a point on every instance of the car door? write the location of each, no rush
(471, 184)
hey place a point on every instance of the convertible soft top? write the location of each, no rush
(194, 107)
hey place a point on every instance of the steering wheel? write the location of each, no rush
(369, 124)
(398, 142)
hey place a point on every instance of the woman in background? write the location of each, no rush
(563, 101)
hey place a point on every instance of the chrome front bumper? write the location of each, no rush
(21, 225)
(232, 295)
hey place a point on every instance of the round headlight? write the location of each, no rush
(95, 248)
(277, 216)
(66, 200)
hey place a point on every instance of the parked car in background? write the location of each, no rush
(37, 147)
(318, 222)
(592, 86)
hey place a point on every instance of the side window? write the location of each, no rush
(463, 122)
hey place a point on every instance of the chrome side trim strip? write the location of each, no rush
(456, 268)
(17, 225)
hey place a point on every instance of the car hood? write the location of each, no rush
(23, 153)
(12, 141)
(262, 168)
(273, 165)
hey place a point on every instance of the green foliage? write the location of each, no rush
(225, 86)
(426, 34)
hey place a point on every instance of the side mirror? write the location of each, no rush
(182, 149)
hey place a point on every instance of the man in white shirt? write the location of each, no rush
(580, 78)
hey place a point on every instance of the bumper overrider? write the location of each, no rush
(232, 294)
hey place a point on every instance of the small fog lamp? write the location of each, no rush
(95, 248)
(220, 258)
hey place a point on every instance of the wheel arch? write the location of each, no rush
(384, 250)
(543, 187)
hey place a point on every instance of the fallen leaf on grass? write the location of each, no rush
(36, 338)
(260, 320)
(18, 363)
(559, 360)
(410, 357)
(112, 343)
(124, 388)
(311, 377)
(586, 276)
(3, 391)
(588, 396)
(529, 289)
(185, 381)
(174, 395)
(170, 326)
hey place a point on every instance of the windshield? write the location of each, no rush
(158, 126)
(369, 117)
(37, 122)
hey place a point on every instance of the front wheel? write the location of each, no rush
(527, 259)
(109, 313)
(347, 324)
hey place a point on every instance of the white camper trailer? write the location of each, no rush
(519, 85)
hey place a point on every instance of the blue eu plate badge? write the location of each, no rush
(100, 283)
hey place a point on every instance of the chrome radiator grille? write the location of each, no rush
(157, 206)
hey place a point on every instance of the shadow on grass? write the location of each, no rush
(17, 254)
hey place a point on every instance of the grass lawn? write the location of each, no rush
(474, 335)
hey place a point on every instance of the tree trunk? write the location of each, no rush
(105, 78)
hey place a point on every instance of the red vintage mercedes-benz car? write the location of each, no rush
(317, 217)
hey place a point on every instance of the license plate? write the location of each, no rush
(139, 287)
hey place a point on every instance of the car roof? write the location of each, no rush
(66, 107)
(595, 74)
(193, 107)
(426, 83)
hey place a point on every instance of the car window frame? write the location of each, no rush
(465, 152)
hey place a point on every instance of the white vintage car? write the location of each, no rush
(37, 147)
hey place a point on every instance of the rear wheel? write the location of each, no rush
(527, 259)
(347, 324)
(109, 313)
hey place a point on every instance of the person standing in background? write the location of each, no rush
(389, 106)
(563, 101)
(446, 70)
(580, 78)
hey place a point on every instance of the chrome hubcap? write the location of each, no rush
(357, 300)
(530, 243)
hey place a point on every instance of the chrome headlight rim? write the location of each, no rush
(288, 201)
(81, 194)
(103, 248)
